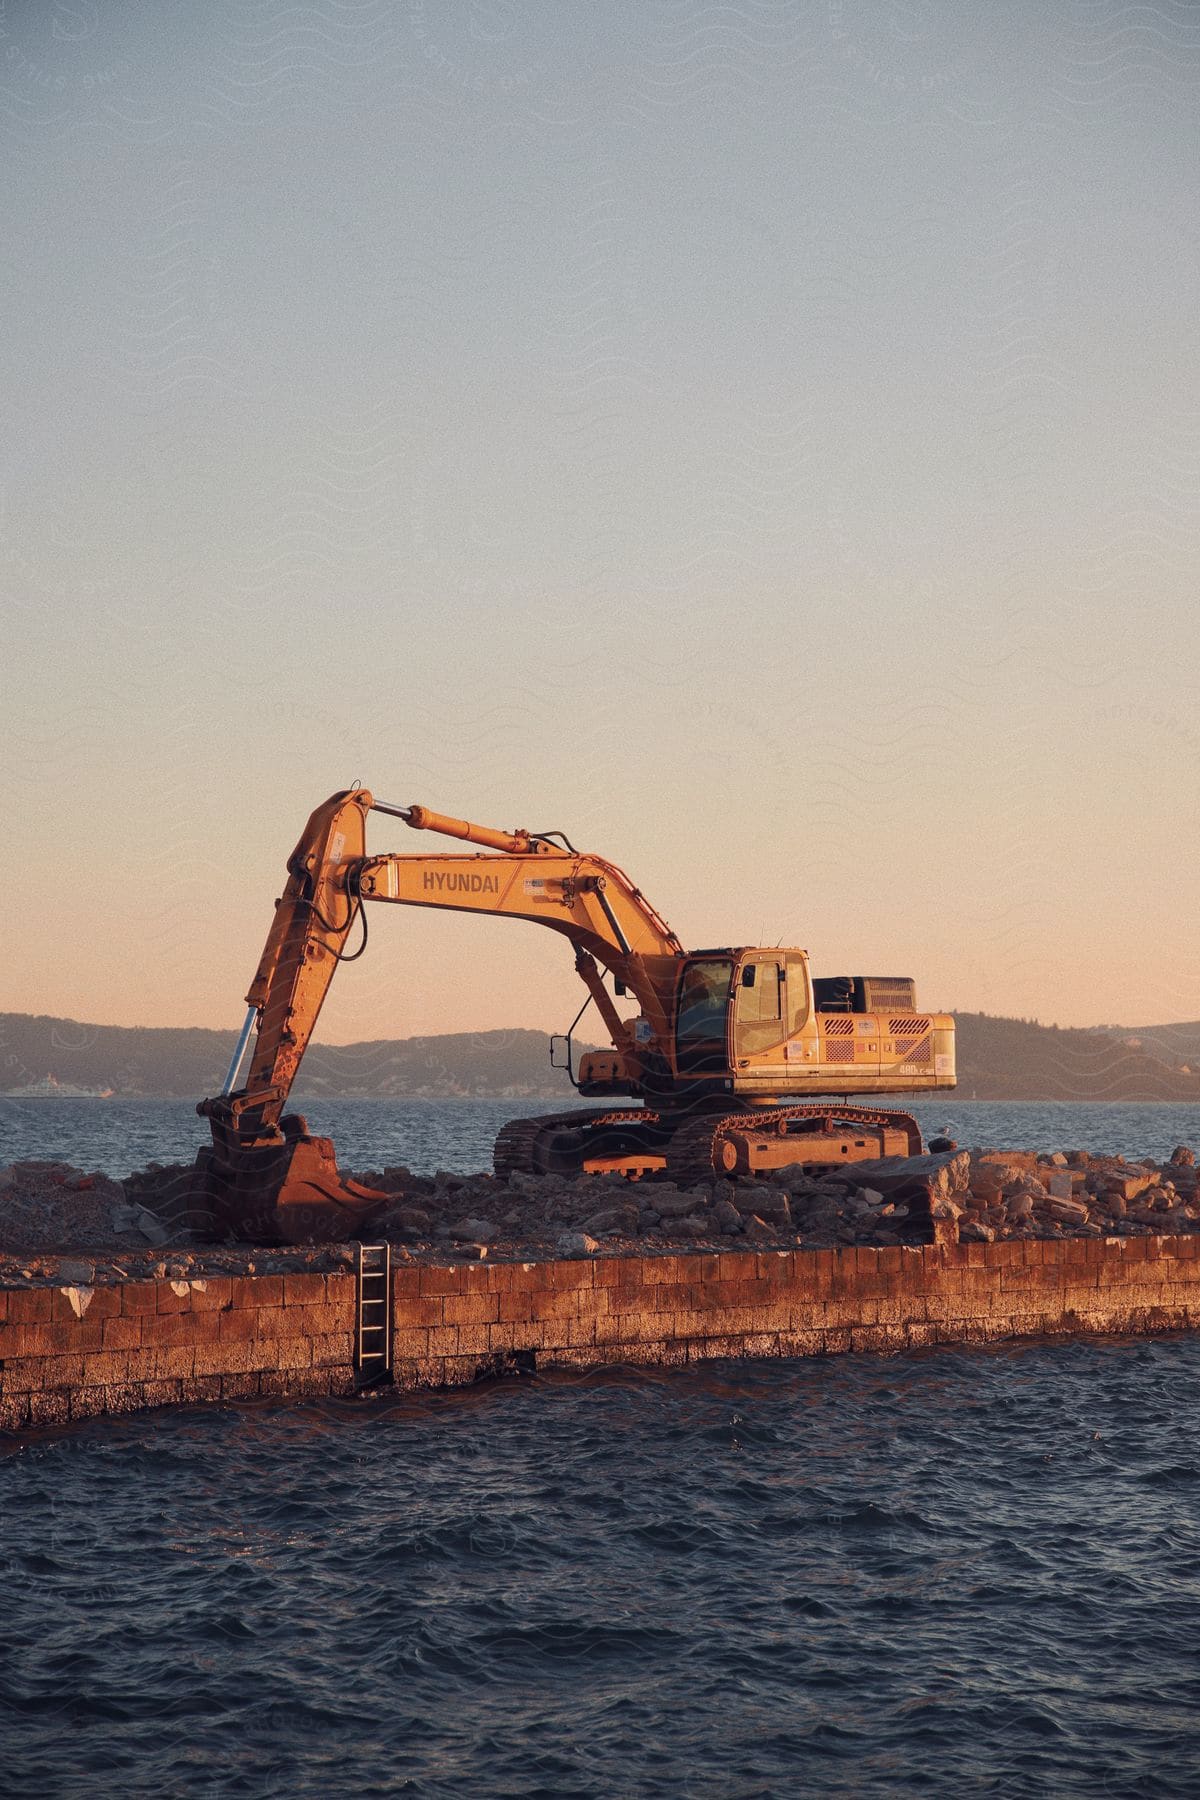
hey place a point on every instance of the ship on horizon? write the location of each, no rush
(51, 1088)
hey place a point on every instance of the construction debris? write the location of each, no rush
(58, 1221)
(979, 1195)
(52, 1206)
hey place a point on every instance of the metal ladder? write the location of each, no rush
(373, 1293)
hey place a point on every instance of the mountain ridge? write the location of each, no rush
(998, 1059)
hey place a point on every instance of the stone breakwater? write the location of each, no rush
(111, 1299)
(68, 1352)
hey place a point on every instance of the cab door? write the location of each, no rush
(760, 1012)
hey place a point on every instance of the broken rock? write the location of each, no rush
(674, 1206)
(623, 1219)
(576, 1243)
(727, 1218)
(474, 1231)
(768, 1203)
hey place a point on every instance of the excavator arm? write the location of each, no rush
(264, 1163)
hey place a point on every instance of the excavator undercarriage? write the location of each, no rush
(642, 1143)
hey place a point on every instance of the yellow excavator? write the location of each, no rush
(737, 1061)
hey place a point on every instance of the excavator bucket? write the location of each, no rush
(289, 1193)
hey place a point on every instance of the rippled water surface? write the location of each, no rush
(949, 1574)
(120, 1135)
(942, 1574)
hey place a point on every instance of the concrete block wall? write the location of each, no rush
(69, 1353)
(452, 1325)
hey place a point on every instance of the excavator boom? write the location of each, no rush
(522, 875)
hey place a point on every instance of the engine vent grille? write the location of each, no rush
(885, 993)
(841, 1050)
(909, 1027)
(839, 1027)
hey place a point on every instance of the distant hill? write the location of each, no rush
(1175, 1044)
(998, 1059)
(191, 1063)
(1015, 1059)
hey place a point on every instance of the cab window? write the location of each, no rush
(703, 1008)
(797, 1000)
(761, 1000)
(761, 1004)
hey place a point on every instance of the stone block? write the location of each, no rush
(25, 1341)
(123, 1396)
(105, 1303)
(470, 1309)
(304, 1290)
(139, 1297)
(414, 1313)
(166, 1300)
(418, 1372)
(460, 1371)
(517, 1335)
(514, 1307)
(1025, 1162)
(177, 1328)
(1128, 1186)
(241, 1325)
(406, 1282)
(88, 1402)
(474, 1340)
(437, 1278)
(51, 1407)
(257, 1291)
(660, 1268)
(214, 1296)
(240, 1386)
(30, 1306)
(776, 1267)
(201, 1388)
(442, 1340)
(14, 1412)
(109, 1368)
(333, 1350)
(617, 1271)
(555, 1304)
(231, 1358)
(413, 1342)
(307, 1321)
(162, 1393)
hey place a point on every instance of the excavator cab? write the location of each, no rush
(735, 1006)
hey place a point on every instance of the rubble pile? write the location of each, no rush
(1075, 1194)
(51, 1206)
(140, 1227)
(974, 1195)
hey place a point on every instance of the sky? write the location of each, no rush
(761, 440)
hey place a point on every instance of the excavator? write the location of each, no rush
(737, 1062)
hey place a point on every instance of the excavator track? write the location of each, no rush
(693, 1153)
(518, 1143)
